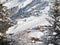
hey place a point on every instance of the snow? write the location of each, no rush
(39, 34)
(29, 23)
(51, 44)
(54, 33)
(14, 6)
(32, 7)
(36, 34)
(2, 1)
(25, 3)
(15, 3)
(0, 19)
(11, 4)
(45, 11)
(20, 30)
(0, 34)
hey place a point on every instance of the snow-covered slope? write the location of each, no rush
(28, 25)
(31, 21)
(14, 5)
(32, 16)
(22, 6)
(34, 8)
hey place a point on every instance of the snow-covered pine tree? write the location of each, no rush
(4, 19)
(5, 23)
(55, 14)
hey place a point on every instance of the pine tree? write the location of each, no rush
(4, 19)
(55, 14)
(4, 24)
